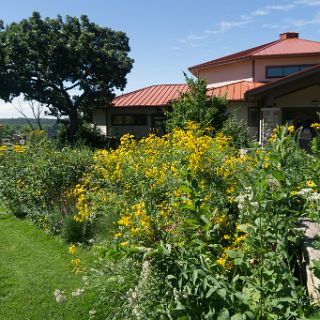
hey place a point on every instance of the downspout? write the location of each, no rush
(106, 121)
(253, 69)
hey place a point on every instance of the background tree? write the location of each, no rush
(69, 65)
(37, 110)
(196, 106)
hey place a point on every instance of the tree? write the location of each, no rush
(196, 105)
(70, 65)
(37, 110)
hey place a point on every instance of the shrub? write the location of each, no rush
(215, 225)
(196, 106)
(34, 179)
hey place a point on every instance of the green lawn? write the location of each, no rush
(32, 265)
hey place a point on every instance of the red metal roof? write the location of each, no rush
(234, 56)
(163, 95)
(290, 46)
(234, 91)
(283, 47)
(153, 96)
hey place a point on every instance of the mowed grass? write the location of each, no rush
(32, 265)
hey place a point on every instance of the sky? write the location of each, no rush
(168, 36)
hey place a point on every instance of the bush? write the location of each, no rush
(87, 135)
(196, 106)
(214, 224)
(34, 179)
(237, 130)
(36, 136)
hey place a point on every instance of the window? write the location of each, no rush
(129, 119)
(282, 71)
(253, 117)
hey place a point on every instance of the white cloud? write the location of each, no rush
(309, 3)
(305, 22)
(260, 13)
(284, 7)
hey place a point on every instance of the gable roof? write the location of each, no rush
(285, 46)
(163, 95)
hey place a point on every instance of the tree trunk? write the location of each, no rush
(73, 125)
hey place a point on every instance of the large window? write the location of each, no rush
(282, 71)
(129, 119)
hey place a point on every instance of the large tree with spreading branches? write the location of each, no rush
(70, 65)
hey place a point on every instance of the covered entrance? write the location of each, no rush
(294, 100)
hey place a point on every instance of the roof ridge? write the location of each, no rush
(300, 39)
(235, 56)
(268, 45)
(242, 80)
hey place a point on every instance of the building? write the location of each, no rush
(274, 83)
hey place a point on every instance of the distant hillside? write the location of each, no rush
(20, 122)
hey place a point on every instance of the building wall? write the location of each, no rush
(102, 120)
(99, 120)
(240, 110)
(308, 97)
(261, 64)
(227, 73)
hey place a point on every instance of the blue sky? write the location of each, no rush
(168, 36)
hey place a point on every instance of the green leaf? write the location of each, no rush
(222, 293)
(185, 189)
(205, 219)
(210, 292)
(238, 316)
(194, 276)
(223, 315)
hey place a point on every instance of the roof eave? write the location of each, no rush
(283, 81)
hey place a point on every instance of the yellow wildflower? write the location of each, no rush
(310, 184)
(124, 243)
(75, 262)
(72, 249)
(291, 129)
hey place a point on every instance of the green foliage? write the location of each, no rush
(36, 136)
(196, 106)
(33, 180)
(46, 60)
(237, 130)
(74, 232)
(86, 135)
(222, 243)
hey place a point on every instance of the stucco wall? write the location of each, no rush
(231, 72)
(302, 98)
(261, 64)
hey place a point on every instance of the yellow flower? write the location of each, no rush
(315, 126)
(124, 243)
(72, 249)
(118, 235)
(291, 129)
(310, 184)
(75, 262)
